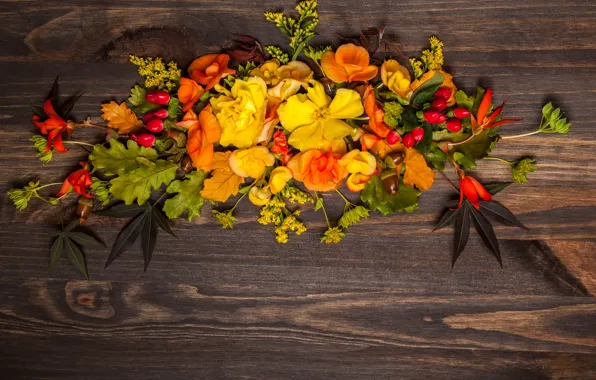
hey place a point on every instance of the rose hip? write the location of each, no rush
(146, 139)
(162, 113)
(439, 104)
(431, 116)
(461, 113)
(408, 140)
(441, 119)
(454, 125)
(443, 93)
(157, 97)
(393, 137)
(418, 134)
(154, 125)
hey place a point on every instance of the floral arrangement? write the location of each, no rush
(281, 126)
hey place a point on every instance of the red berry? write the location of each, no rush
(132, 137)
(461, 113)
(443, 93)
(157, 97)
(454, 125)
(393, 137)
(408, 140)
(154, 125)
(441, 119)
(431, 116)
(418, 134)
(161, 113)
(146, 139)
(148, 116)
(439, 104)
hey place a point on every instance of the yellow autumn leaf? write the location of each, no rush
(417, 171)
(120, 117)
(223, 182)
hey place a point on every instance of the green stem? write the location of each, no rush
(76, 143)
(324, 211)
(48, 185)
(348, 203)
(236, 204)
(522, 135)
(448, 180)
(499, 159)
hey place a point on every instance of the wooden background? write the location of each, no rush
(382, 305)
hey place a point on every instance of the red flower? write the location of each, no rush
(54, 126)
(473, 190)
(80, 180)
(281, 147)
(487, 122)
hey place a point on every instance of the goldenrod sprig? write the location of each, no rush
(157, 74)
(276, 212)
(431, 59)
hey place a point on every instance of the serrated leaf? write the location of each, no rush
(56, 250)
(496, 187)
(67, 106)
(417, 172)
(122, 210)
(352, 216)
(128, 236)
(120, 117)
(76, 257)
(378, 199)
(502, 213)
(478, 147)
(463, 100)
(148, 239)
(447, 219)
(162, 221)
(138, 184)
(462, 232)
(188, 197)
(223, 183)
(173, 108)
(138, 101)
(425, 92)
(486, 232)
(119, 159)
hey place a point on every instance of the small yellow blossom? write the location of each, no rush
(251, 162)
(333, 235)
(396, 77)
(156, 73)
(278, 178)
(258, 196)
(226, 219)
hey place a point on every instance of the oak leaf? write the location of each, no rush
(120, 117)
(417, 171)
(223, 183)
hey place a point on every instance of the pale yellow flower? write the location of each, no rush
(278, 178)
(396, 77)
(251, 162)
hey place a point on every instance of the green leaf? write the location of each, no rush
(56, 250)
(445, 135)
(378, 199)
(122, 211)
(162, 221)
(138, 101)
(117, 159)
(425, 144)
(447, 219)
(128, 236)
(148, 239)
(436, 157)
(138, 184)
(464, 161)
(521, 169)
(68, 105)
(478, 147)
(496, 187)
(425, 92)
(188, 198)
(547, 109)
(478, 99)
(83, 238)
(463, 100)
(37, 110)
(245, 189)
(353, 216)
(76, 257)
(502, 213)
(319, 204)
(102, 191)
(173, 108)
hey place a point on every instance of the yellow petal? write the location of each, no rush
(259, 197)
(307, 137)
(334, 129)
(356, 182)
(279, 178)
(296, 112)
(317, 94)
(346, 105)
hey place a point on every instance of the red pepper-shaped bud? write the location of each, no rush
(431, 116)
(441, 119)
(157, 97)
(418, 134)
(154, 125)
(408, 140)
(439, 104)
(443, 93)
(454, 125)
(162, 113)
(146, 139)
(461, 113)
(393, 137)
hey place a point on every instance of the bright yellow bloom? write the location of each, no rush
(251, 162)
(314, 120)
(356, 161)
(241, 112)
(396, 77)
(278, 178)
(258, 196)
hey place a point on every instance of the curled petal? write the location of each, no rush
(356, 182)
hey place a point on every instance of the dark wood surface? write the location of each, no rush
(382, 305)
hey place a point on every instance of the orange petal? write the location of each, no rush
(48, 108)
(332, 69)
(350, 54)
(367, 74)
(484, 105)
(202, 62)
(209, 125)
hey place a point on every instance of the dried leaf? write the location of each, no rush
(417, 171)
(223, 182)
(120, 117)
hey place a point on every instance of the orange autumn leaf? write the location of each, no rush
(417, 171)
(120, 117)
(223, 183)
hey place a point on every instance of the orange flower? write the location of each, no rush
(349, 63)
(375, 114)
(483, 120)
(472, 189)
(319, 171)
(54, 126)
(203, 132)
(189, 93)
(208, 69)
(80, 180)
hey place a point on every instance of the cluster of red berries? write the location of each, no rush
(153, 119)
(409, 140)
(435, 115)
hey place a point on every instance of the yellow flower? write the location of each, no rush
(241, 112)
(258, 196)
(314, 120)
(278, 178)
(356, 161)
(356, 182)
(290, 78)
(396, 77)
(251, 162)
(267, 71)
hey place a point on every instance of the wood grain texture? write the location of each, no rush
(383, 305)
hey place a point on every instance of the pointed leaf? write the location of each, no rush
(66, 107)
(37, 110)
(54, 93)
(447, 219)
(84, 239)
(76, 257)
(148, 238)
(486, 232)
(502, 213)
(122, 210)
(72, 225)
(56, 251)
(162, 221)
(496, 187)
(462, 232)
(127, 236)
